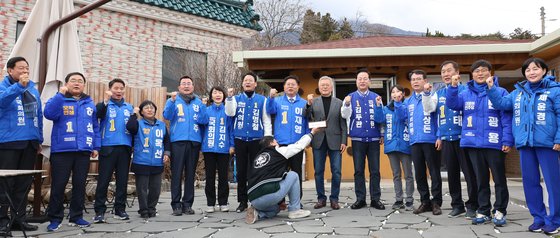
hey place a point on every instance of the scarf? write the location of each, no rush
(187, 97)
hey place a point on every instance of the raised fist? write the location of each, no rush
(230, 92)
(137, 110)
(379, 101)
(173, 96)
(428, 87)
(309, 99)
(347, 100)
(455, 79)
(24, 79)
(490, 82)
(63, 90)
(107, 96)
(273, 92)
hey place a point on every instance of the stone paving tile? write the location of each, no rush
(445, 232)
(294, 235)
(314, 222)
(421, 226)
(405, 218)
(480, 230)
(278, 229)
(351, 231)
(394, 226)
(521, 235)
(123, 227)
(396, 233)
(446, 221)
(352, 221)
(239, 232)
(313, 229)
(156, 227)
(511, 227)
(217, 225)
(191, 233)
(125, 235)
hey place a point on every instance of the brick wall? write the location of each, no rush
(116, 44)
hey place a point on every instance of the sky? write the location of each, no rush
(451, 17)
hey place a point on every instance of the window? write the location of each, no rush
(19, 28)
(180, 62)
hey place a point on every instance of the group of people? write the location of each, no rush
(473, 124)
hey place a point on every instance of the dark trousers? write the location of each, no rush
(295, 164)
(62, 164)
(484, 160)
(360, 150)
(213, 161)
(457, 160)
(18, 187)
(112, 158)
(245, 152)
(425, 154)
(148, 188)
(184, 158)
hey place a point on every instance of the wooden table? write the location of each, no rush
(5, 174)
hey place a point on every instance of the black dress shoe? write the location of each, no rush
(242, 207)
(17, 226)
(5, 231)
(377, 204)
(188, 210)
(358, 205)
(177, 212)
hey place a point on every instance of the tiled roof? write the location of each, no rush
(229, 11)
(391, 41)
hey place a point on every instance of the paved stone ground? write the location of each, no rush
(366, 222)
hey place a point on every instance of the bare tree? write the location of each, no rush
(281, 21)
(222, 71)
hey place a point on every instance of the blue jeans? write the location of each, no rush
(319, 159)
(360, 150)
(267, 205)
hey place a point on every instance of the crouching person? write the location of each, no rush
(151, 151)
(270, 181)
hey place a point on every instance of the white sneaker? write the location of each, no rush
(299, 214)
(224, 208)
(210, 209)
(252, 215)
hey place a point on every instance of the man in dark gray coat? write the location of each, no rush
(331, 141)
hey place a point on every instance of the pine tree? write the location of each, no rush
(310, 31)
(345, 31)
(328, 27)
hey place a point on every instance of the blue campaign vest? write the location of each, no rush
(290, 123)
(148, 143)
(75, 124)
(483, 125)
(15, 125)
(534, 121)
(396, 129)
(113, 126)
(449, 120)
(362, 123)
(421, 128)
(185, 119)
(218, 133)
(248, 123)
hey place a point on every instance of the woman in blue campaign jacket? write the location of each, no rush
(217, 145)
(75, 137)
(486, 135)
(536, 128)
(396, 145)
(151, 151)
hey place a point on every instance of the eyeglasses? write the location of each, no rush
(481, 70)
(80, 81)
(148, 107)
(186, 84)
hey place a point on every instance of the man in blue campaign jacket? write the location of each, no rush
(358, 109)
(251, 123)
(290, 123)
(449, 135)
(486, 135)
(536, 122)
(185, 112)
(115, 151)
(21, 135)
(75, 137)
(422, 128)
